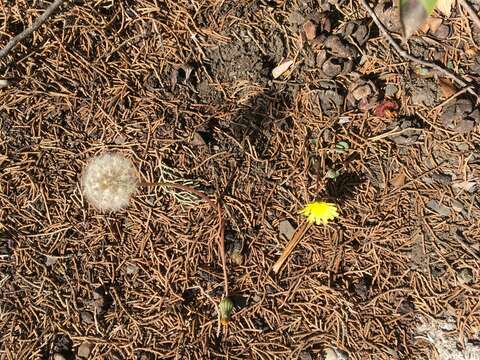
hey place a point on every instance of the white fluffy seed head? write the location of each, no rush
(109, 181)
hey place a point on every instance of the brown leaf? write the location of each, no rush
(431, 24)
(446, 87)
(399, 180)
(310, 30)
(385, 108)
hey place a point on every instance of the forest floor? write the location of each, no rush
(184, 88)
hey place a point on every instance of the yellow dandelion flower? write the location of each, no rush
(320, 212)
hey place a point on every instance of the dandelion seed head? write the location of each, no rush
(109, 181)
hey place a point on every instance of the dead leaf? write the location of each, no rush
(281, 68)
(310, 30)
(385, 108)
(445, 7)
(399, 180)
(446, 87)
(431, 24)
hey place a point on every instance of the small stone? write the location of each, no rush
(58, 356)
(51, 260)
(85, 349)
(132, 269)
(256, 298)
(440, 209)
(310, 29)
(86, 317)
(444, 179)
(457, 205)
(443, 32)
(338, 48)
(391, 90)
(468, 186)
(332, 67)
(465, 276)
(361, 92)
(448, 326)
(286, 229)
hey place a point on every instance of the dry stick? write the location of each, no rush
(471, 12)
(407, 56)
(28, 31)
(221, 230)
(297, 236)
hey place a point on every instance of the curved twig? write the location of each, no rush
(28, 31)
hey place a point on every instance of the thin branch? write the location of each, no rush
(291, 245)
(407, 56)
(28, 31)
(471, 12)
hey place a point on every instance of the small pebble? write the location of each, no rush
(132, 269)
(86, 317)
(310, 30)
(465, 276)
(58, 356)
(286, 229)
(391, 90)
(440, 209)
(457, 205)
(85, 349)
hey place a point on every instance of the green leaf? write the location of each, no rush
(341, 146)
(413, 13)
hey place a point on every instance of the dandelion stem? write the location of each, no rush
(218, 208)
(291, 245)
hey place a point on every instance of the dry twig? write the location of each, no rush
(292, 243)
(407, 56)
(28, 31)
